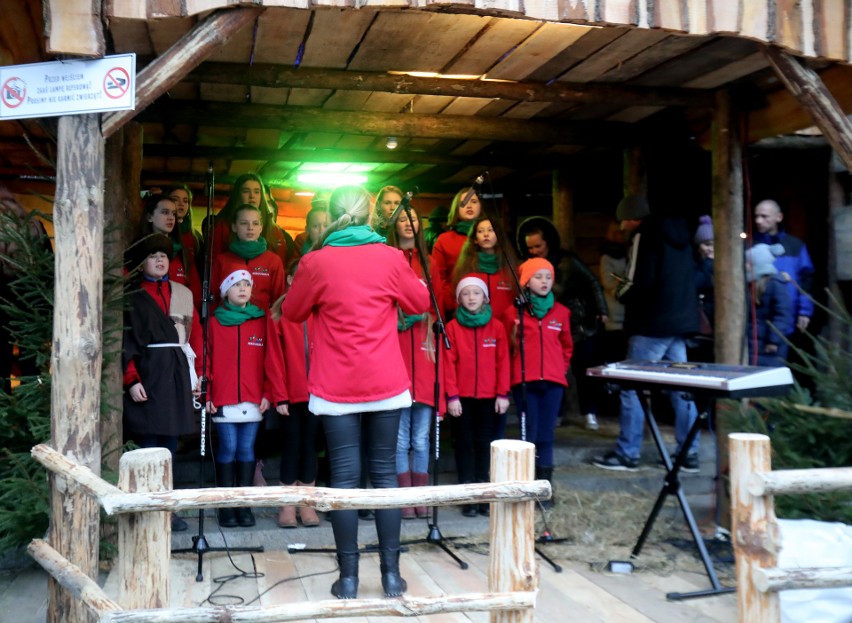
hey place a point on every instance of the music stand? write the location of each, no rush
(705, 396)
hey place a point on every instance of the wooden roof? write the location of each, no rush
(324, 87)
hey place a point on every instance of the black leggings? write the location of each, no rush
(299, 442)
(473, 432)
(343, 433)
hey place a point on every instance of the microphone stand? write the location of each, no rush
(522, 303)
(199, 541)
(434, 537)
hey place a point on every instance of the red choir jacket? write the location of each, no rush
(266, 270)
(477, 364)
(547, 345)
(501, 290)
(287, 358)
(236, 362)
(418, 350)
(445, 254)
(353, 293)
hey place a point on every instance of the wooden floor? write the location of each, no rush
(577, 594)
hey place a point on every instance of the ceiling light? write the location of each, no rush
(330, 179)
(305, 193)
(392, 143)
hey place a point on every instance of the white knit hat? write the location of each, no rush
(234, 277)
(472, 281)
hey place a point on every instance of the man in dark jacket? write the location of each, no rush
(661, 304)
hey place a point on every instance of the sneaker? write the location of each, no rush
(690, 464)
(592, 422)
(614, 461)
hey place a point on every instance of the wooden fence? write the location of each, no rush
(144, 499)
(755, 530)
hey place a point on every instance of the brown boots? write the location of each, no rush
(413, 479)
(287, 514)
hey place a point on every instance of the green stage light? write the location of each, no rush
(329, 179)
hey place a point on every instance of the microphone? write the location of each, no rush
(480, 179)
(407, 197)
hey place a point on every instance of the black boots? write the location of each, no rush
(392, 581)
(245, 478)
(225, 478)
(346, 586)
(546, 473)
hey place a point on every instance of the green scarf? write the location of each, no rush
(405, 322)
(176, 249)
(488, 262)
(479, 319)
(230, 316)
(248, 249)
(353, 236)
(307, 246)
(463, 227)
(541, 304)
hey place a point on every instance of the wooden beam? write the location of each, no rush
(807, 87)
(205, 38)
(285, 76)
(396, 156)
(304, 119)
(73, 27)
(77, 349)
(728, 211)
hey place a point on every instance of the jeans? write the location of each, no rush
(169, 442)
(413, 436)
(343, 433)
(236, 441)
(629, 442)
(299, 444)
(473, 432)
(544, 399)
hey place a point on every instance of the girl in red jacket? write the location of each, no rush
(239, 387)
(482, 256)
(288, 359)
(249, 252)
(476, 380)
(417, 345)
(547, 348)
(448, 246)
(160, 217)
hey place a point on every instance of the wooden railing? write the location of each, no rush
(144, 498)
(755, 530)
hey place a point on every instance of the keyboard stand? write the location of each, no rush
(671, 486)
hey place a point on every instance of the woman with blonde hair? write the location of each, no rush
(353, 286)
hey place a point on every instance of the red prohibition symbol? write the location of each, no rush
(14, 92)
(116, 83)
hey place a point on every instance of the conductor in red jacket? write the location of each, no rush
(352, 285)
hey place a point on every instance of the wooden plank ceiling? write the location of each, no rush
(323, 89)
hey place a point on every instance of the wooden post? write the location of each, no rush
(563, 208)
(77, 344)
(144, 536)
(634, 174)
(728, 274)
(807, 87)
(753, 527)
(122, 206)
(512, 564)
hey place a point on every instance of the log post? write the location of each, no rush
(512, 564)
(753, 527)
(634, 173)
(122, 205)
(144, 536)
(727, 226)
(563, 208)
(77, 348)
